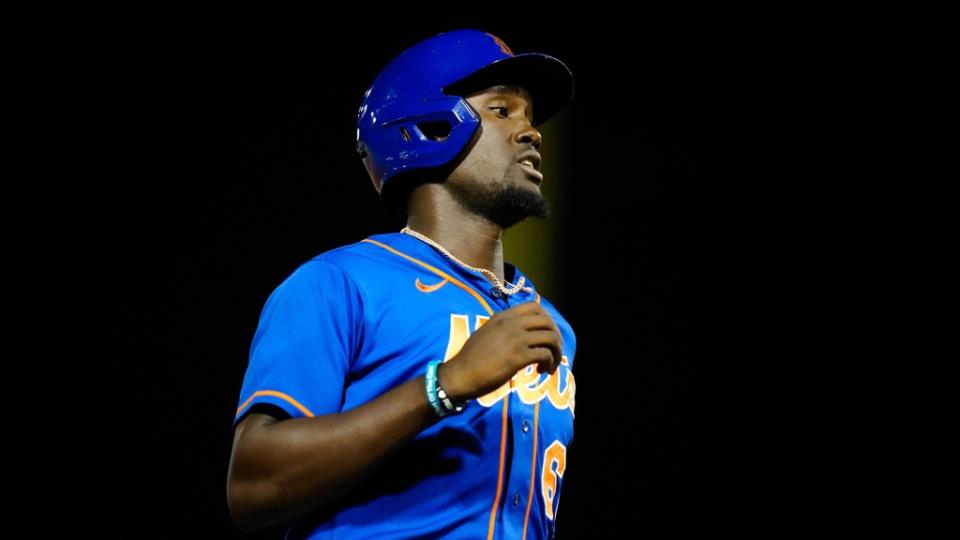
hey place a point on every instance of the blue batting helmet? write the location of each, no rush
(413, 118)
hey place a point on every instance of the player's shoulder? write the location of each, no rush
(341, 267)
(360, 255)
(360, 261)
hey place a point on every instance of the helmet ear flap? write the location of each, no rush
(437, 130)
(425, 135)
(395, 194)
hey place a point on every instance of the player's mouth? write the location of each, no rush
(530, 162)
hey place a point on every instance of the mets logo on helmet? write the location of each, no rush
(503, 46)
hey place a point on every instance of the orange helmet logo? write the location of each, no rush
(503, 46)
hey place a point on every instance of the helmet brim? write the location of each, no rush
(548, 80)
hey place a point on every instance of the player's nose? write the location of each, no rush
(529, 135)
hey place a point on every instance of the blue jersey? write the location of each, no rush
(352, 323)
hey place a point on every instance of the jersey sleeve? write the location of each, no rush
(305, 339)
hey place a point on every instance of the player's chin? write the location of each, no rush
(523, 199)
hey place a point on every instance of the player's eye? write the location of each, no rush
(502, 112)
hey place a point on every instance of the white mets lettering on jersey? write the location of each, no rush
(530, 386)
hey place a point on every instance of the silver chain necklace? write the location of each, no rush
(486, 273)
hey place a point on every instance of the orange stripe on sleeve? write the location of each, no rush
(280, 395)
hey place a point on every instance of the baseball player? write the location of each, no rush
(413, 384)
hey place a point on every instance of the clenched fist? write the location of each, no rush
(509, 341)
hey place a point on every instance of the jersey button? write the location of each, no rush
(524, 425)
(516, 498)
(495, 292)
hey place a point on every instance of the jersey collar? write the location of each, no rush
(418, 248)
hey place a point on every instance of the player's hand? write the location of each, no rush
(508, 342)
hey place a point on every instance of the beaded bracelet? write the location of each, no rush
(441, 402)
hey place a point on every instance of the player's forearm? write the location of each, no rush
(289, 468)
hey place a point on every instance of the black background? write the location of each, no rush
(227, 158)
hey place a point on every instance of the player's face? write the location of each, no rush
(500, 176)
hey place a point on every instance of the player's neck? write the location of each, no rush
(471, 239)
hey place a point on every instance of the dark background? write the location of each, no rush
(228, 159)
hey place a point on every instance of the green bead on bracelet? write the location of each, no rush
(441, 402)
